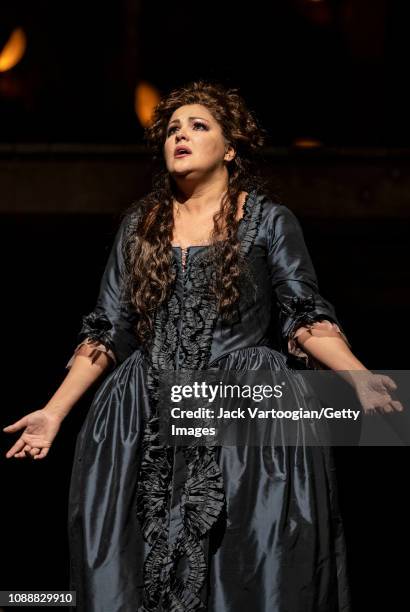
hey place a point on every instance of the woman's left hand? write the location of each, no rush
(373, 391)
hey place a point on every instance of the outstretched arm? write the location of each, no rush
(308, 326)
(105, 339)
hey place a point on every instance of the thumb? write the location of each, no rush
(17, 425)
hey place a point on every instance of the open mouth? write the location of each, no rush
(182, 153)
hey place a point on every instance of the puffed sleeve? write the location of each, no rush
(108, 328)
(299, 306)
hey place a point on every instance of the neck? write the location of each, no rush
(196, 199)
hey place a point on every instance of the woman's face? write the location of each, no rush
(193, 126)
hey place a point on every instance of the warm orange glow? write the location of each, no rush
(146, 98)
(13, 50)
(306, 143)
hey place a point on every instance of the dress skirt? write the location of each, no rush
(278, 546)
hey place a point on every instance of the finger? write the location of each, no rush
(42, 454)
(397, 405)
(16, 426)
(394, 405)
(16, 448)
(384, 402)
(389, 382)
(27, 451)
(34, 451)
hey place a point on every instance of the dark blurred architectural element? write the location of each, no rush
(321, 182)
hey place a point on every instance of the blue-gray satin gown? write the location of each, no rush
(225, 529)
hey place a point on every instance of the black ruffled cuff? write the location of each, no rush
(97, 326)
(312, 314)
(96, 338)
(296, 312)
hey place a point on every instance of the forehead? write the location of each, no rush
(191, 110)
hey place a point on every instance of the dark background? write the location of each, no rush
(334, 70)
(71, 158)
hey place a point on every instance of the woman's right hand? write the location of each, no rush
(41, 427)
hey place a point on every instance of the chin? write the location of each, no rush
(184, 172)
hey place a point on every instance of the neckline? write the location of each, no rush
(245, 216)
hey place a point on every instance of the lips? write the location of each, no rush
(181, 151)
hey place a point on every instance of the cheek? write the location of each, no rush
(212, 147)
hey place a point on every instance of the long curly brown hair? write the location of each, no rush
(147, 246)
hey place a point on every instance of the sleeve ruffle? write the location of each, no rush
(297, 311)
(97, 326)
(93, 349)
(322, 328)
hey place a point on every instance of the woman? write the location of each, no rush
(206, 271)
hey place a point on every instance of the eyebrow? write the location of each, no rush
(179, 121)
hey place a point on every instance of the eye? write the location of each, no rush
(196, 124)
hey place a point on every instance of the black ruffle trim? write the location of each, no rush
(96, 326)
(297, 312)
(203, 496)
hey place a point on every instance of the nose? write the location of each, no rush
(179, 136)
